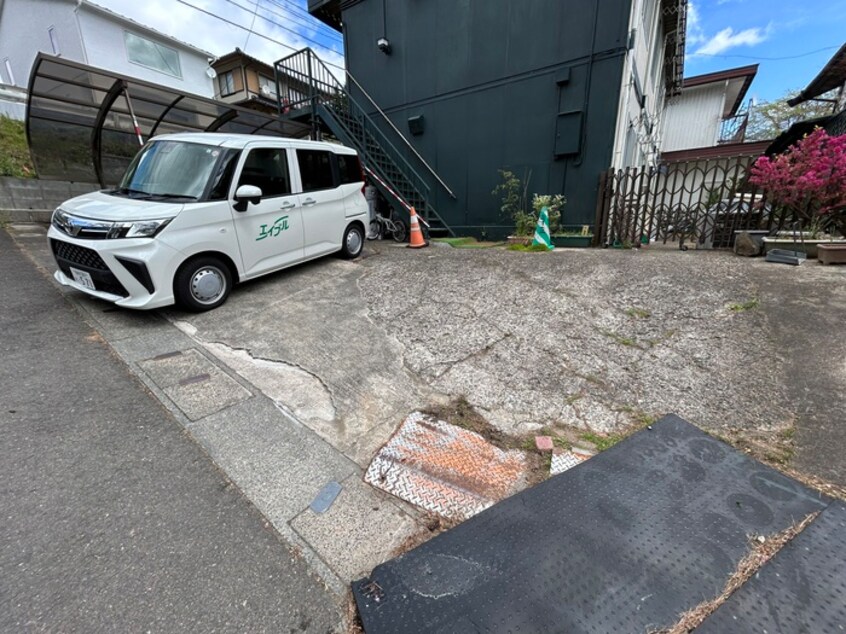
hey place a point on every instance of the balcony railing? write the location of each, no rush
(733, 129)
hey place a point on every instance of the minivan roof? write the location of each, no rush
(242, 140)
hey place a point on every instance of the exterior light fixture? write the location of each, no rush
(384, 45)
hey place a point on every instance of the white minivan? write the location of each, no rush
(196, 213)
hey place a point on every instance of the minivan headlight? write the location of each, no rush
(144, 228)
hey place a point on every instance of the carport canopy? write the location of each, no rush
(79, 125)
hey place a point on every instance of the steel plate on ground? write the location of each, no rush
(801, 589)
(445, 469)
(625, 542)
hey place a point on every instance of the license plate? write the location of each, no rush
(82, 278)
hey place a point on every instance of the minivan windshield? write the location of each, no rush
(167, 170)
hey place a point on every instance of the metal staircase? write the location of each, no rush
(307, 90)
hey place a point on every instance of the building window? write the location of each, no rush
(54, 40)
(9, 72)
(226, 81)
(140, 50)
(267, 86)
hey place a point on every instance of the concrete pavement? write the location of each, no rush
(113, 519)
(280, 428)
(302, 375)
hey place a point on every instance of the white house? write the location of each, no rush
(652, 73)
(708, 110)
(85, 32)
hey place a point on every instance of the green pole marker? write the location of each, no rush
(542, 230)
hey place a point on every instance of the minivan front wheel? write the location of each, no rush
(202, 283)
(353, 242)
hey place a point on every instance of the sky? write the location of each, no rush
(790, 39)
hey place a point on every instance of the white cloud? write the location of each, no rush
(695, 34)
(728, 39)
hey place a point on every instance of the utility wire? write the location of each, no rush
(261, 35)
(252, 24)
(296, 8)
(290, 30)
(309, 22)
(770, 59)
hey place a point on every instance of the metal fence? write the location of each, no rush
(699, 202)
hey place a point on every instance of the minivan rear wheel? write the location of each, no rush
(353, 242)
(202, 283)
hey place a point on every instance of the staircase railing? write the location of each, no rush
(400, 134)
(304, 81)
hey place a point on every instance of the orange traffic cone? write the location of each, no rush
(416, 240)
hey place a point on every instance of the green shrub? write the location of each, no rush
(514, 195)
(14, 153)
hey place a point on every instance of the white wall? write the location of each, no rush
(694, 117)
(636, 141)
(23, 33)
(88, 36)
(105, 47)
(13, 102)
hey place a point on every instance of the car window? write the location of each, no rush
(349, 168)
(222, 177)
(267, 169)
(315, 169)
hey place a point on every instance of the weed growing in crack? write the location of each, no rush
(638, 313)
(743, 307)
(621, 339)
(602, 441)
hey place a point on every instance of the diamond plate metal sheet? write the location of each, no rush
(445, 469)
(801, 589)
(566, 460)
(634, 537)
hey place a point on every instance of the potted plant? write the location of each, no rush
(809, 180)
(580, 238)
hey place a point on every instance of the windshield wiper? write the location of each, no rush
(128, 191)
(174, 196)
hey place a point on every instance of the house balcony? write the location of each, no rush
(733, 129)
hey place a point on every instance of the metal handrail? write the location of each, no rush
(401, 135)
(363, 150)
(375, 128)
(338, 86)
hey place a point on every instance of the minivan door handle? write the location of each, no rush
(309, 201)
(287, 205)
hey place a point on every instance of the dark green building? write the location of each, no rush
(553, 90)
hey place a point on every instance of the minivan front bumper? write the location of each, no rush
(135, 273)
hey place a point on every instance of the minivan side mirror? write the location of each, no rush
(246, 194)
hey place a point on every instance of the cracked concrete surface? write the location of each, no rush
(306, 340)
(594, 339)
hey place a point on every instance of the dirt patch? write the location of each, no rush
(773, 448)
(351, 616)
(763, 549)
(462, 414)
(433, 525)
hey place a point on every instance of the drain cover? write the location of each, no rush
(445, 469)
(626, 542)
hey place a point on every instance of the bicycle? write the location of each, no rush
(382, 226)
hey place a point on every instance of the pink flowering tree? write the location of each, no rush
(809, 179)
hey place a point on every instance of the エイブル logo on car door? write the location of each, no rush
(271, 231)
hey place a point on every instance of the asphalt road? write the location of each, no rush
(113, 519)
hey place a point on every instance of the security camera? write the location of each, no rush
(384, 45)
